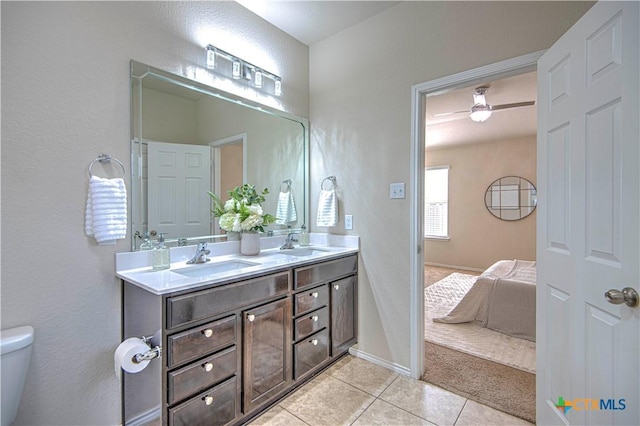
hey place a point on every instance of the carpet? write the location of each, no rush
(501, 387)
(471, 338)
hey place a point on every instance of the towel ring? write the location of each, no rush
(106, 159)
(286, 182)
(330, 178)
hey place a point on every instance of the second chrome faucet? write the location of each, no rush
(201, 254)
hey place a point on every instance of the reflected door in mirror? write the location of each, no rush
(179, 176)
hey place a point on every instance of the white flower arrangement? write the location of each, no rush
(243, 211)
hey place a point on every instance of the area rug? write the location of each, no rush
(504, 388)
(471, 338)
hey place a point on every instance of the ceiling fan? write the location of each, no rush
(481, 110)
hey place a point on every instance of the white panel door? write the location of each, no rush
(179, 177)
(588, 351)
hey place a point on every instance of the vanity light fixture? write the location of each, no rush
(241, 69)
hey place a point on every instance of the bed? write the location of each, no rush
(503, 298)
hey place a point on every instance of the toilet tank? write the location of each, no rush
(15, 348)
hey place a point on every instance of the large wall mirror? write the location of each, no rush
(511, 198)
(189, 138)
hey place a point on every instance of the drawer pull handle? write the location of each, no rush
(207, 332)
(314, 294)
(336, 286)
(208, 366)
(314, 342)
(208, 400)
(314, 318)
(251, 317)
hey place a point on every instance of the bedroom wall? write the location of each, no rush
(477, 239)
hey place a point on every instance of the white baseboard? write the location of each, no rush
(464, 268)
(379, 361)
(146, 418)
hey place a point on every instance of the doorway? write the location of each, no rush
(504, 69)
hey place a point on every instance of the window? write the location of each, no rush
(436, 202)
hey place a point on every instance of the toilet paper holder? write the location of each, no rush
(153, 352)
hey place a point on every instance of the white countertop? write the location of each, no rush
(135, 267)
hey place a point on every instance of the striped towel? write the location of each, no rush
(286, 209)
(327, 208)
(106, 212)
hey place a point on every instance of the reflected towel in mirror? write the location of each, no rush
(286, 209)
(106, 212)
(327, 208)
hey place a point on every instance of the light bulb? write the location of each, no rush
(257, 78)
(480, 113)
(277, 88)
(211, 57)
(236, 68)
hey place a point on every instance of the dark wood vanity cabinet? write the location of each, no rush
(232, 350)
(267, 359)
(325, 313)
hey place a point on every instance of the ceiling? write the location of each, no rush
(312, 21)
(459, 129)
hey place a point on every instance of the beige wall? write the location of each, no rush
(477, 239)
(65, 99)
(360, 97)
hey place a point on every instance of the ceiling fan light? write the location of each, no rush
(480, 113)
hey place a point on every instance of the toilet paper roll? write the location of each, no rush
(125, 353)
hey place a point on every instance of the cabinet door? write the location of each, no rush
(267, 352)
(344, 314)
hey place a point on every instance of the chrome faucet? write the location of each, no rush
(288, 243)
(201, 254)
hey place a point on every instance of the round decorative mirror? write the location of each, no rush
(511, 198)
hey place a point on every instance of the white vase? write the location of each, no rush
(250, 243)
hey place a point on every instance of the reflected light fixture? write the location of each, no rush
(241, 69)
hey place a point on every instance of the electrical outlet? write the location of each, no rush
(348, 221)
(396, 190)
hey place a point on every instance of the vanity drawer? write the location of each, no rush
(200, 375)
(199, 341)
(310, 352)
(310, 300)
(310, 323)
(216, 406)
(324, 272)
(207, 303)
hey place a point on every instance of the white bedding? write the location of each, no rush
(503, 298)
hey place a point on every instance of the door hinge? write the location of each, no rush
(419, 249)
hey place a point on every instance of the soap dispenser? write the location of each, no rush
(304, 236)
(160, 255)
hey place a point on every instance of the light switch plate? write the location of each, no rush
(348, 221)
(396, 190)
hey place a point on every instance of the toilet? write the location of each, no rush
(15, 345)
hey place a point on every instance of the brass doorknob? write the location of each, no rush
(628, 296)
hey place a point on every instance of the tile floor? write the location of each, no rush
(357, 392)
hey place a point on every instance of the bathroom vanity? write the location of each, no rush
(239, 337)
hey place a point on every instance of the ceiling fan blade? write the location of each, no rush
(514, 105)
(444, 114)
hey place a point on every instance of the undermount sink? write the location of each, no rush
(204, 270)
(303, 251)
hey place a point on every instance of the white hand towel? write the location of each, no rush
(106, 213)
(327, 208)
(286, 209)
